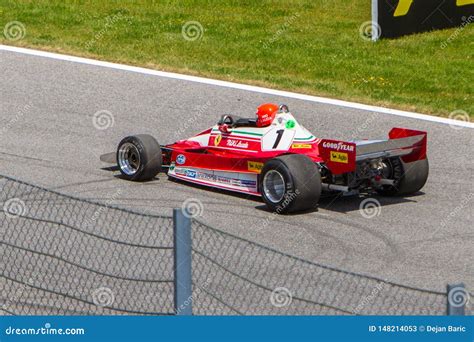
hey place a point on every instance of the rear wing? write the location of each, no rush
(341, 157)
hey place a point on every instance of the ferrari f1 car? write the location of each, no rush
(273, 156)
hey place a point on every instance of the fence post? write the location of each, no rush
(375, 21)
(182, 263)
(457, 299)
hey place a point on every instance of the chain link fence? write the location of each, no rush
(239, 277)
(60, 256)
(65, 256)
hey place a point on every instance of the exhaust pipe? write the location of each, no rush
(334, 187)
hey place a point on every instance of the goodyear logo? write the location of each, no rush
(295, 146)
(404, 6)
(339, 157)
(339, 146)
(254, 166)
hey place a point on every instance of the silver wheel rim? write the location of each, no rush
(128, 159)
(274, 186)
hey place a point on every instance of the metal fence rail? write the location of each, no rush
(69, 256)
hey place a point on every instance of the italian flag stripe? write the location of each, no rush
(309, 138)
(241, 132)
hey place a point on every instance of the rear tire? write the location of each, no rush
(409, 177)
(290, 183)
(139, 157)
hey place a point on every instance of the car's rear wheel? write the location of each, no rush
(139, 157)
(290, 183)
(409, 177)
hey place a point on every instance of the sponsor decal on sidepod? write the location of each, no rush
(237, 143)
(191, 173)
(254, 166)
(180, 159)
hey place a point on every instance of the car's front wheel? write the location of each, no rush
(290, 183)
(139, 157)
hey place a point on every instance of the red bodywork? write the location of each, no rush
(237, 153)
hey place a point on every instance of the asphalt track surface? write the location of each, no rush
(48, 138)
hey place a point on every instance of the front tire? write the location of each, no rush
(139, 157)
(290, 183)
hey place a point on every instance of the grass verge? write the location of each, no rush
(307, 46)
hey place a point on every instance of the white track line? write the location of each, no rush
(238, 86)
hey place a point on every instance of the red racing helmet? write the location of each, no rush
(266, 113)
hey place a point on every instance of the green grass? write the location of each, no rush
(308, 46)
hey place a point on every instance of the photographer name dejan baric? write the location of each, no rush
(414, 328)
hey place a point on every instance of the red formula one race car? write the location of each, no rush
(271, 155)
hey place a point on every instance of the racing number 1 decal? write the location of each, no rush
(277, 139)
